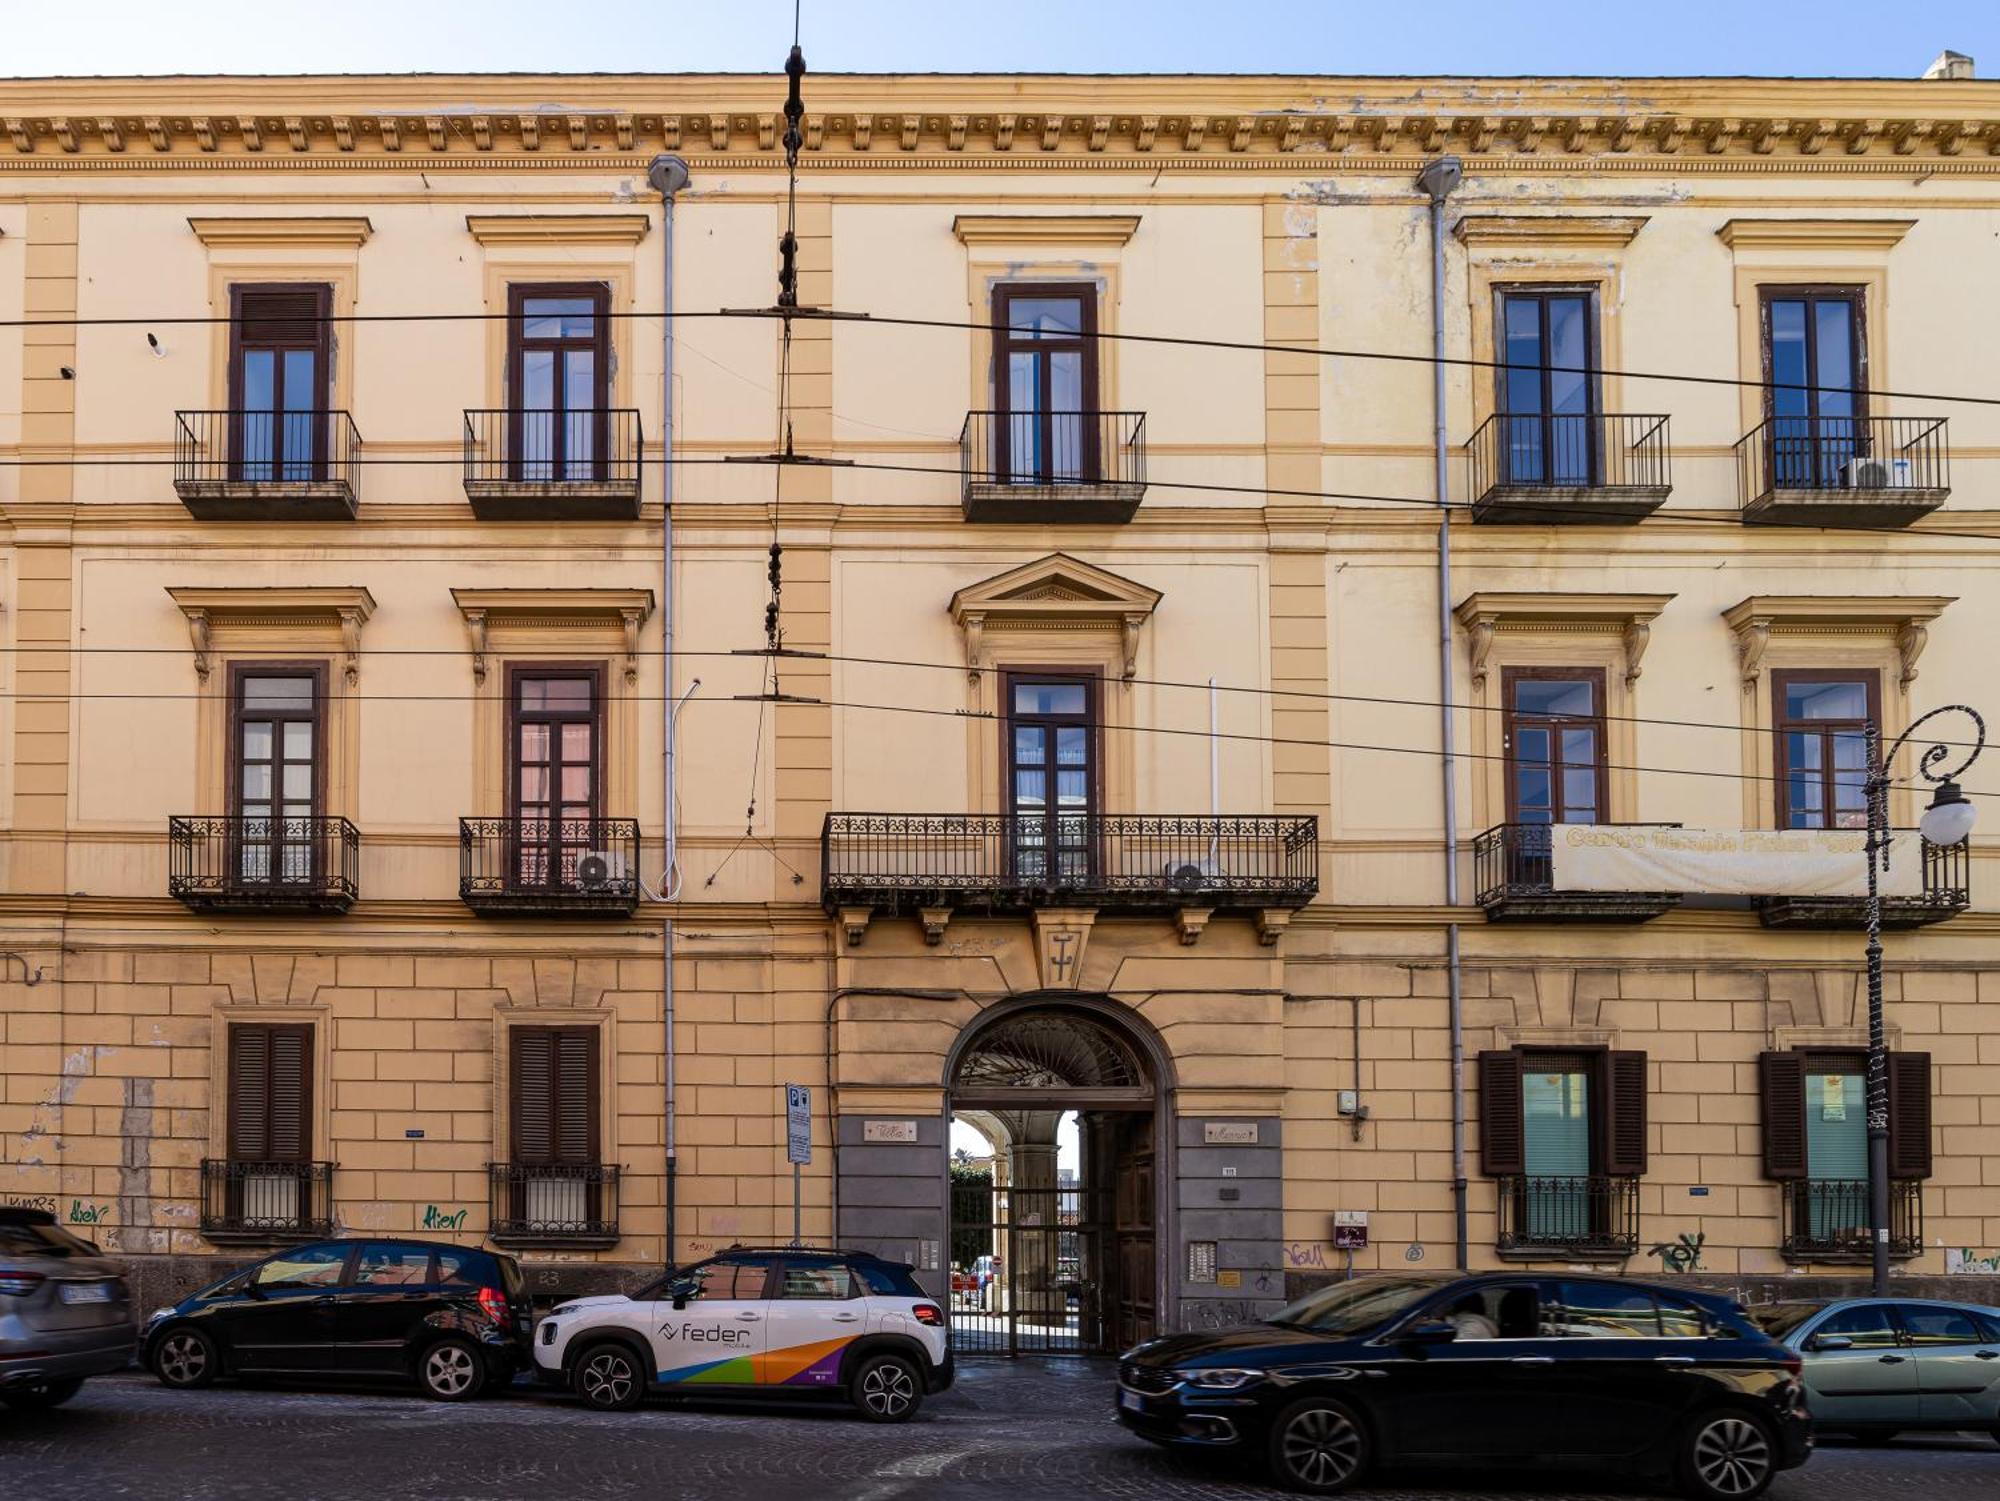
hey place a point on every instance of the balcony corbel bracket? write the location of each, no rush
(1190, 922)
(1271, 924)
(854, 923)
(935, 921)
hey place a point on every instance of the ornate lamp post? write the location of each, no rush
(1947, 821)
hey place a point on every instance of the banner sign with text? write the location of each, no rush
(1728, 862)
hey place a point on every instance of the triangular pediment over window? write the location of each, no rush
(1059, 593)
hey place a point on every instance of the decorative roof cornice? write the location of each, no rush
(996, 119)
(1814, 234)
(558, 229)
(1544, 230)
(264, 233)
(1044, 229)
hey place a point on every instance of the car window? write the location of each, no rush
(1601, 1310)
(714, 1280)
(42, 1240)
(1867, 1324)
(459, 1268)
(1937, 1326)
(1503, 1310)
(386, 1264)
(1780, 1319)
(824, 1280)
(1350, 1307)
(1989, 1328)
(308, 1266)
(888, 1279)
(1680, 1319)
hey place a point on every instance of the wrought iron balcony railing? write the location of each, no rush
(266, 466)
(545, 465)
(1581, 1218)
(1053, 466)
(1947, 891)
(549, 867)
(1819, 471)
(1006, 861)
(263, 864)
(1827, 1220)
(1586, 467)
(566, 1204)
(247, 1202)
(1513, 879)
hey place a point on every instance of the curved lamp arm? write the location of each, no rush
(1938, 751)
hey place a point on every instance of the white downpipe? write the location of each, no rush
(668, 175)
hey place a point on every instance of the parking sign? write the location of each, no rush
(798, 1123)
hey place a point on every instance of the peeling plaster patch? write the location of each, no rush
(1301, 223)
(1327, 190)
(135, 1161)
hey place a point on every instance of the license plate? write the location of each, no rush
(1131, 1401)
(86, 1292)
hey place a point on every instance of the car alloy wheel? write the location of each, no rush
(887, 1391)
(1732, 1456)
(451, 1371)
(1319, 1448)
(607, 1379)
(185, 1359)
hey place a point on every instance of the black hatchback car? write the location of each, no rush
(1490, 1370)
(453, 1318)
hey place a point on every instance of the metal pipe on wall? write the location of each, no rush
(667, 176)
(1438, 180)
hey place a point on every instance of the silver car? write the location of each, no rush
(1876, 1367)
(65, 1312)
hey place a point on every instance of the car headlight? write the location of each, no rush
(1222, 1378)
(157, 1314)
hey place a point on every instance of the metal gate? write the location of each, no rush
(1026, 1271)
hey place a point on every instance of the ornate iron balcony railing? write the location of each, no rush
(256, 1202)
(552, 1204)
(549, 866)
(1589, 1216)
(218, 864)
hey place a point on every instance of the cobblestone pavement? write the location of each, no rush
(1028, 1432)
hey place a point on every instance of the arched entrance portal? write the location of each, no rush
(1055, 1223)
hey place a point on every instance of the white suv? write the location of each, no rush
(785, 1320)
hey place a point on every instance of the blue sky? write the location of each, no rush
(1776, 37)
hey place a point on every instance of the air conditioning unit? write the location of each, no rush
(1875, 474)
(1191, 875)
(597, 869)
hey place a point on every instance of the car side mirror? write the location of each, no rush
(1832, 1342)
(253, 1289)
(1431, 1332)
(679, 1293)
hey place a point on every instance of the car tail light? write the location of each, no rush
(493, 1303)
(930, 1314)
(20, 1284)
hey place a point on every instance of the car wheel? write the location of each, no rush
(1727, 1456)
(608, 1378)
(42, 1394)
(1319, 1446)
(186, 1358)
(887, 1389)
(451, 1371)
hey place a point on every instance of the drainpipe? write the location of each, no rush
(1438, 180)
(667, 176)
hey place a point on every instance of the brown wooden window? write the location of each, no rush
(1554, 744)
(555, 779)
(1052, 774)
(1548, 388)
(1816, 370)
(1815, 1110)
(1822, 747)
(276, 771)
(270, 1092)
(1045, 382)
(554, 1096)
(558, 380)
(280, 374)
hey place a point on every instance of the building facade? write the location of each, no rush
(365, 528)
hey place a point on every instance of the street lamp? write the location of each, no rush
(1946, 822)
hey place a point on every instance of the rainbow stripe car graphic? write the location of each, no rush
(785, 1321)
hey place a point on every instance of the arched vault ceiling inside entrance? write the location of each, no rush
(1049, 1050)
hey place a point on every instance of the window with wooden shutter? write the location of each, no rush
(1502, 1148)
(1909, 1115)
(1623, 1154)
(554, 1096)
(279, 381)
(1782, 1081)
(270, 1092)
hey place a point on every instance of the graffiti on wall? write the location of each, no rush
(1682, 1253)
(443, 1219)
(1969, 1263)
(1307, 1255)
(44, 1202)
(81, 1213)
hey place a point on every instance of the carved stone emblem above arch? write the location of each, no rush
(1057, 593)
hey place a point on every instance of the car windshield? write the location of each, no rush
(34, 1239)
(1780, 1319)
(1354, 1307)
